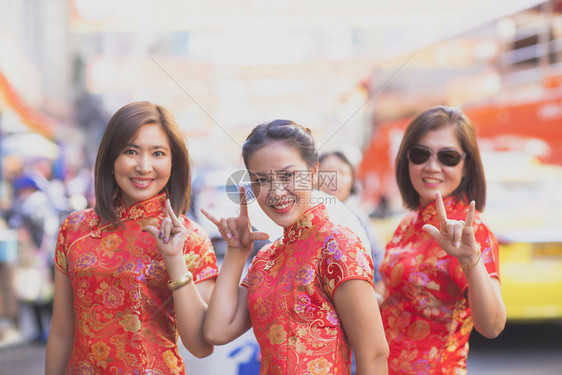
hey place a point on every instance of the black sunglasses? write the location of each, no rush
(448, 157)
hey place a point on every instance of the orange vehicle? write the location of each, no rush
(520, 134)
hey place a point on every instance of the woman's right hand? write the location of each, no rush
(237, 231)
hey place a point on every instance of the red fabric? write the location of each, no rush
(425, 311)
(124, 312)
(290, 288)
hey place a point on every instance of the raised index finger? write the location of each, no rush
(243, 201)
(213, 219)
(470, 214)
(441, 213)
(170, 212)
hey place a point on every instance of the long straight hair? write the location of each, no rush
(123, 127)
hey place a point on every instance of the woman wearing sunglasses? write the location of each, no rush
(440, 272)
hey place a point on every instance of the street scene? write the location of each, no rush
(332, 136)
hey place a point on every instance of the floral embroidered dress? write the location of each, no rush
(425, 311)
(291, 285)
(123, 310)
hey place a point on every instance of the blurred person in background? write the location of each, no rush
(36, 221)
(441, 270)
(309, 296)
(336, 176)
(134, 272)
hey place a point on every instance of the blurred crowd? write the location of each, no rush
(35, 196)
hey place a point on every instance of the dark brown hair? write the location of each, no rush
(123, 127)
(340, 155)
(473, 183)
(284, 131)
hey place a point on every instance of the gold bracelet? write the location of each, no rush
(181, 282)
(475, 263)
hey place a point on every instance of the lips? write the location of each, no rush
(141, 182)
(431, 181)
(282, 206)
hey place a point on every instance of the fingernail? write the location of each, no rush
(228, 235)
(165, 240)
(457, 244)
(161, 235)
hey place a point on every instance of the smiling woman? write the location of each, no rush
(135, 262)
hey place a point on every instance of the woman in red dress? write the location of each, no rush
(440, 271)
(123, 287)
(308, 296)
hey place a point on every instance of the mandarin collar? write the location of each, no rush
(308, 219)
(147, 208)
(428, 214)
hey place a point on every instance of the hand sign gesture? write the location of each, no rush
(456, 237)
(237, 231)
(172, 234)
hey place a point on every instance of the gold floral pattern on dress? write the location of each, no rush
(425, 311)
(319, 366)
(290, 289)
(120, 286)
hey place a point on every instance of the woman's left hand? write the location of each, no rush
(456, 237)
(171, 236)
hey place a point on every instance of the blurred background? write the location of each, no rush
(354, 72)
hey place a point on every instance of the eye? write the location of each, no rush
(159, 153)
(130, 151)
(286, 176)
(260, 180)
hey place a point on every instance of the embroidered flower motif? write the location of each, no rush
(131, 323)
(332, 317)
(333, 249)
(156, 270)
(304, 275)
(363, 263)
(84, 368)
(170, 359)
(84, 261)
(319, 366)
(136, 212)
(302, 304)
(206, 273)
(111, 242)
(100, 350)
(276, 334)
(112, 296)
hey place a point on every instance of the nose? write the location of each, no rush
(277, 187)
(432, 163)
(144, 164)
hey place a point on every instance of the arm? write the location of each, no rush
(61, 335)
(358, 310)
(189, 304)
(484, 295)
(228, 316)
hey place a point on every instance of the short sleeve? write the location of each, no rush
(199, 253)
(344, 258)
(61, 249)
(489, 256)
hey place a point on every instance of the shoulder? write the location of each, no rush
(193, 228)
(79, 220)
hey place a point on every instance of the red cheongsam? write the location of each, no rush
(291, 286)
(123, 310)
(425, 311)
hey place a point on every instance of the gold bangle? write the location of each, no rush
(475, 263)
(181, 282)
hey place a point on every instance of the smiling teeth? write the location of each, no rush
(432, 180)
(140, 182)
(282, 206)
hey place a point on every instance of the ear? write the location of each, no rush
(314, 176)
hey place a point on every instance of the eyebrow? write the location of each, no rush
(151, 148)
(271, 171)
